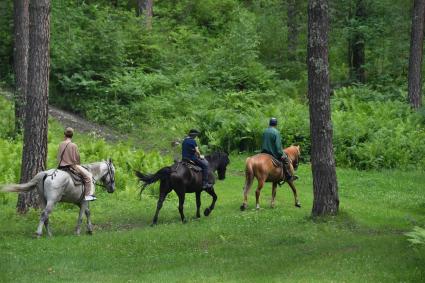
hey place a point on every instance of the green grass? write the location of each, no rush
(365, 243)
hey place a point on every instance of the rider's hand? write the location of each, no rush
(201, 156)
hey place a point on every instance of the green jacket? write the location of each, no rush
(272, 142)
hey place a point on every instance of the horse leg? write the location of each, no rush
(164, 190)
(294, 190)
(258, 192)
(44, 216)
(198, 204)
(46, 225)
(46, 222)
(80, 218)
(181, 203)
(274, 185)
(158, 208)
(212, 193)
(248, 183)
(88, 216)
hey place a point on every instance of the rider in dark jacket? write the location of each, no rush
(272, 144)
(191, 152)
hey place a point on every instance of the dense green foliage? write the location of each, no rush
(222, 66)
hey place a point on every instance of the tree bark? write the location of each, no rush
(325, 187)
(140, 7)
(20, 59)
(148, 13)
(356, 52)
(415, 58)
(293, 29)
(34, 153)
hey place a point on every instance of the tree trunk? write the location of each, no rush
(415, 58)
(34, 153)
(356, 46)
(148, 13)
(293, 29)
(140, 7)
(325, 185)
(20, 59)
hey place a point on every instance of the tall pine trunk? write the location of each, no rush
(20, 59)
(415, 58)
(34, 153)
(148, 13)
(325, 187)
(140, 7)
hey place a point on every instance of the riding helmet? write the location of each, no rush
(193, 133)
(273, 122)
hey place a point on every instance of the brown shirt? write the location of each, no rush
(71, 156)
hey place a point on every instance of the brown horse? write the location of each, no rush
(261, 167)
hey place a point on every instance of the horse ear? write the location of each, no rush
(110, 160)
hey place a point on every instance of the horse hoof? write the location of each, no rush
(243, 207)
(153, 224)
(298, 204)
(207, 211)
(36, 236)
(184, 221)
(89, 232)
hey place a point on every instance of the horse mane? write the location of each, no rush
(293, 153)
(218, 156)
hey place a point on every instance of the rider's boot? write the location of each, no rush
(288, 173)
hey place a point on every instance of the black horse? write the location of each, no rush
(182, 180)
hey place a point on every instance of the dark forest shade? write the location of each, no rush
(325, 187)
(356, 45)
(415, 59)
(34, 153)
(293, 28)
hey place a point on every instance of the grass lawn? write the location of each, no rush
(365, 243)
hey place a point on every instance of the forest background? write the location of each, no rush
(226, 66)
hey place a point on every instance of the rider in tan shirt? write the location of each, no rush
(68, 156)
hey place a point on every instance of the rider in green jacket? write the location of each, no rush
(272, 144)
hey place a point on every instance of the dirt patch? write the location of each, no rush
(68, 119)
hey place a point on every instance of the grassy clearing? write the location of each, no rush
(364, 243)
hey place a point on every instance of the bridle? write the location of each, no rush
(111, 176)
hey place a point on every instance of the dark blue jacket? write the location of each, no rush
(188, 149)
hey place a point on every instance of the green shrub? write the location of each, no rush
(416, 236)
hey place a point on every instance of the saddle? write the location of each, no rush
(276, 162)
(191, 165)
(75, 176)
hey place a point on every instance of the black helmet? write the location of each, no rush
(273, 122)
(193, 133)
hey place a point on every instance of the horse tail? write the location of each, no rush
(249, 173)
(26, 187)
(148, 179)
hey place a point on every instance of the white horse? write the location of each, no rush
(55, 185)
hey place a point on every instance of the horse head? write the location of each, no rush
(219, 161)
(108, 178)
(293, 152)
